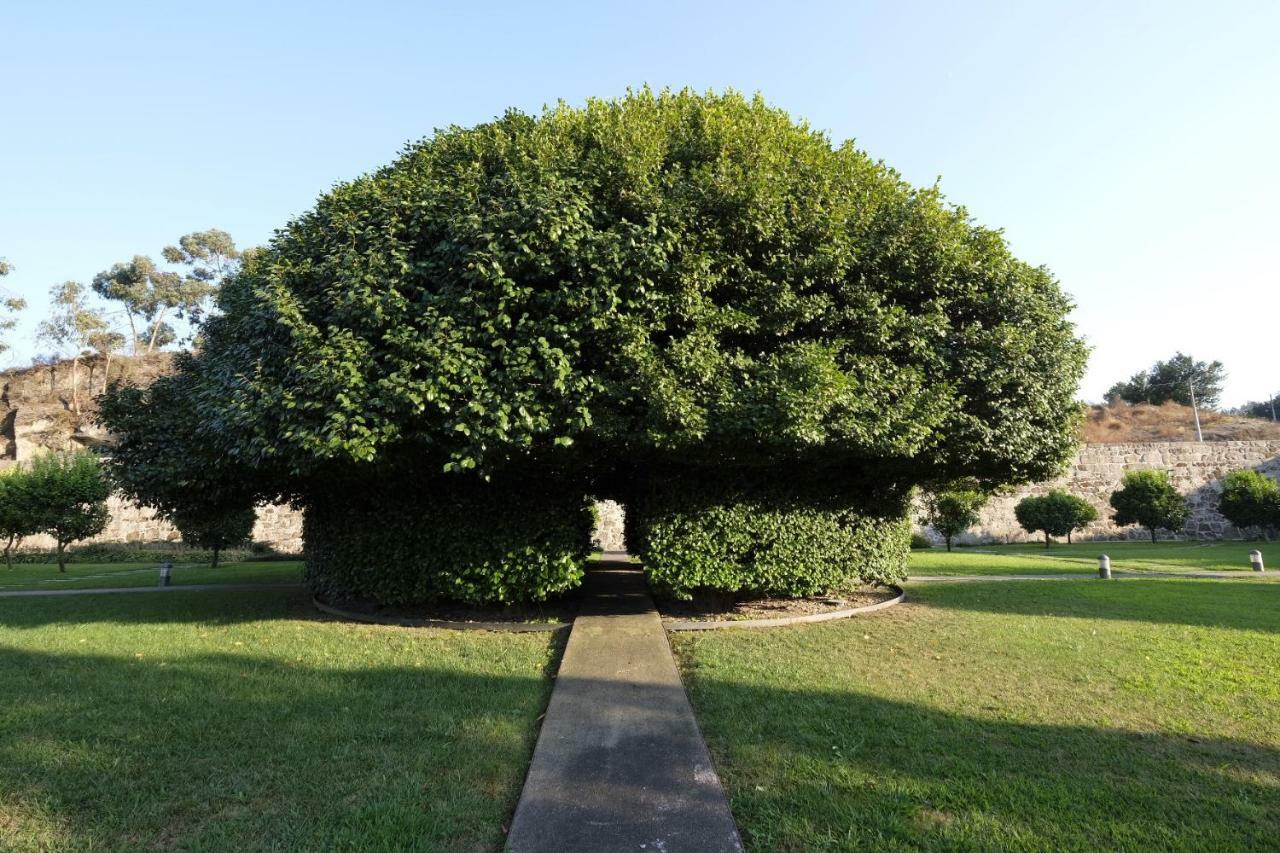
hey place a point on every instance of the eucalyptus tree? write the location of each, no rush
(74, 327)
(10, 306)
(759, 340)
(153, 295)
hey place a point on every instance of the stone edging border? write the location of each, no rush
(780, 621)
(405, 622)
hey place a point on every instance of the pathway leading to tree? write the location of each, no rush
(620, 763)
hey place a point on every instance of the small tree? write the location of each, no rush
(9, 307)
(1148, 498)
(1057, 514)
(67, 495)
(1250, 500)
(1076, 510)
(106, 343)
(16, 511)
(953, 511)
(204, 525)
(73, 328)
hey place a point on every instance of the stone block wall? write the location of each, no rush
(1195, 468)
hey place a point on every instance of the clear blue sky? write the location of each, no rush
(1131, 147)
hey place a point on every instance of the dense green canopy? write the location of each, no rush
(690, 302)
(695, 277)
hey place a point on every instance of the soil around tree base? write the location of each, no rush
(542, 616)
(712, 610)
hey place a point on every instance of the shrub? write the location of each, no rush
(746, 536)
(67, 495)
(1056, 513)
(920, 542)
(953, 511)
(1149, 499)
(1250, 500)
(447, 538)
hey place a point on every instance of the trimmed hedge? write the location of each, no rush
(698, 535)
(451, 538)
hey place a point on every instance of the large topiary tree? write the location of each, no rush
(690, 302)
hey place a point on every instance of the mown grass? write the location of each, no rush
(241, 721)
(118, 575)
(1082, 558)
(1125, 715)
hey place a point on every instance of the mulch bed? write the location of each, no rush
(562, 609)
(711, 610)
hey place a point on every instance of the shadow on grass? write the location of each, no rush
(235, 751)
(1230, 603)
(811, 770)
(175, 606)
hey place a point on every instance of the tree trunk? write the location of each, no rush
(215, 559)
(155, 330)
(106, 373)
(75, 384)
(948, 544)
(133, 331)
(1046, 539)
(62, 557)
(8, 552)
(1068, 537)
(1153, 536)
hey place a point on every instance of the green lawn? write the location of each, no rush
(115, 575)
(1082, 558)
(1135, 714)
(242, 721)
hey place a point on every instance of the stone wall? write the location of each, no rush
(1196, 469)
(42, 408)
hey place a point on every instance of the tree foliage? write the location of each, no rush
(18, 518)
(1268, 408)
(1250, 499)
(67, 498)
(160, 460)
(1057, 513)
(669, 280)
(1147, 498)
(152, 295)
(10, 306)
(954, 510)
(1174, 380)
(204, 524)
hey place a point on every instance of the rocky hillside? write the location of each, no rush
(1122, 423)
(41, 407)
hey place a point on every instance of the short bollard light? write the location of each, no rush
(165, 569)
(1104, 567)
(1255, 560)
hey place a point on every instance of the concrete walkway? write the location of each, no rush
(620, 763)
(1087, 576)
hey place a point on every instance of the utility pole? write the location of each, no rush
(1194, 408)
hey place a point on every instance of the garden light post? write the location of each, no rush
(1195, 409)
(1104, 567)
(1255, 560)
